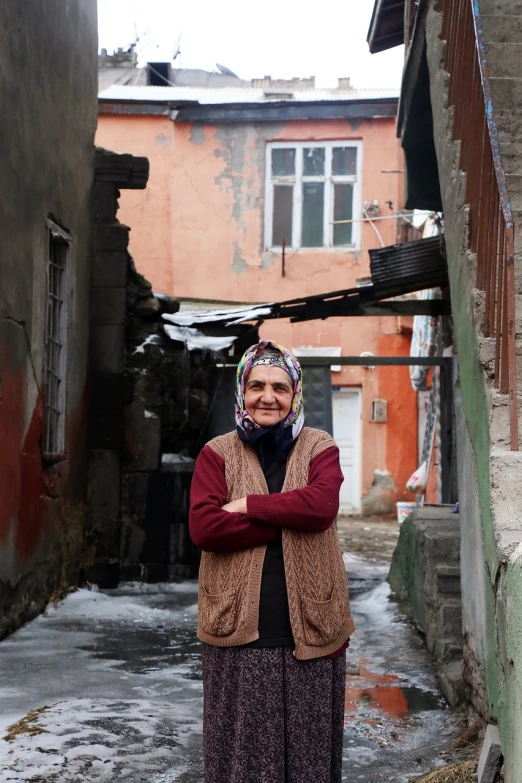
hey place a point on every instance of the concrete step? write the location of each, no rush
(500, 28)
(448, 648)
(509, 124)
(512, 152)
(504, 59)
(448, 579)
(500, 423)
(443, 545)
(503, 7)
(514, 186)
(506, 92)
(506, 495)
(450, 617)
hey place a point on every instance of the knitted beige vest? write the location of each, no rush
(229, 584)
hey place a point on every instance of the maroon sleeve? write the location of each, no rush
(311, 509)
(211, 528)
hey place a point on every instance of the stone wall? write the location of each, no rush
(150, 408)
(107, 359)
(48, 66)
(167, 399)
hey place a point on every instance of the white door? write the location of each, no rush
(347, 433)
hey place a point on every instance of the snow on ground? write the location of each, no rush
(117, 678)
(106, 688)
(103, 739)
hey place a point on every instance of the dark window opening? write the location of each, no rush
(158, 74)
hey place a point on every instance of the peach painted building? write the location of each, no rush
(238, 172)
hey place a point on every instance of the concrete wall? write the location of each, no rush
(48, 84)
(489, 474)
(198, 231)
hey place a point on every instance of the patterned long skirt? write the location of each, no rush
(269, 718)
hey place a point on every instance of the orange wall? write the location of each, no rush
(198, 231)
(215, 179)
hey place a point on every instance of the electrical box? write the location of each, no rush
(379, 411)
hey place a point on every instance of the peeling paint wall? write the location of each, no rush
(49, 85)
(198, 231)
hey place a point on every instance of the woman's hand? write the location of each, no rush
(236, 506)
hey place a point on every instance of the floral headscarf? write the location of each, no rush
(295, 418)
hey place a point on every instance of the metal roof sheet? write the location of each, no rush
(386, 26)
(411, 266)
(237, 95)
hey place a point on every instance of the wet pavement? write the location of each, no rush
(108, 688)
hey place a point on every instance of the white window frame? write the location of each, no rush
(56, 341)
(296, 182)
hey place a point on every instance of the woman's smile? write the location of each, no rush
(268, 395)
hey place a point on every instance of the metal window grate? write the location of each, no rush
(59, 245)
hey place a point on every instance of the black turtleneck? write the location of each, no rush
(274, 618)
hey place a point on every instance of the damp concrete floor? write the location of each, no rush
(107, 687)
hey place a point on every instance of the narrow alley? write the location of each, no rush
(107, 686)
(261, 282)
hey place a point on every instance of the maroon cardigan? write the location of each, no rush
(311, 509)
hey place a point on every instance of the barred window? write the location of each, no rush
(56, 328)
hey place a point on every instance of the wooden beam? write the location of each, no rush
(412, 307)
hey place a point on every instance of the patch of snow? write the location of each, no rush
(112, 607)
(196, 340)
(174, 459)
(88, 739)
(151, 339)
(126, 588)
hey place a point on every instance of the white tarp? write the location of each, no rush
(231, 315)
(196, 340)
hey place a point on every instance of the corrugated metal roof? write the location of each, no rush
(225, 95)
(412, 266)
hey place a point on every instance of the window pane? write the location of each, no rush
(283, 162)
(343, 201)
(344, 160)
(313, 161)
(313, 212)
(282, 220)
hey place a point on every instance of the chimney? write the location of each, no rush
(263, 84)
(344, 83)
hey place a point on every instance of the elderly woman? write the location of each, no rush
(274, 616)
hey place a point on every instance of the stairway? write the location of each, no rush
(502, 24)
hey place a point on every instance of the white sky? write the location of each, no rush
(280, 38)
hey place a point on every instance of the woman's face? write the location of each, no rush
(268, 395)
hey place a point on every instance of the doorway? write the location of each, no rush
(347, 433)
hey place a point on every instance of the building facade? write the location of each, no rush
(48, 125)
(272, 192)
(459, 127)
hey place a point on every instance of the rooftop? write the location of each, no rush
(120, 79)
(228, 95)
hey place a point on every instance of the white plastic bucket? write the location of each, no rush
(404, 510)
